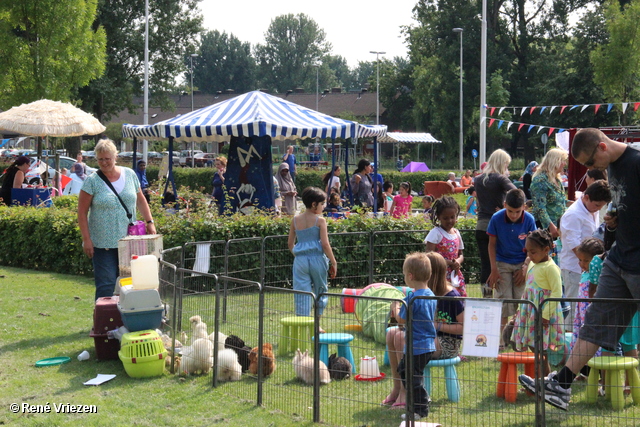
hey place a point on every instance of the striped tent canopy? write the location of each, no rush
(369, 131)
(149, 132)
(409, 138)
(251, 114)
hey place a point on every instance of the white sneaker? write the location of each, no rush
(554, 394)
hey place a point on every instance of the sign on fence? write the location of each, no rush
(481, 335)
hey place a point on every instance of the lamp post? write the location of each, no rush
(459, 31)
(317, 65)
(483, 85)
(377, 84)
(193, 55)
(145, 115)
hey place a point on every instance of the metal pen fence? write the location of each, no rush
(254, 313)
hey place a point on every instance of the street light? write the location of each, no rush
(317, 65)
(193, 55)
(377, 84)
(459, 31)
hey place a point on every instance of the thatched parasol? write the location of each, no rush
(49, 118)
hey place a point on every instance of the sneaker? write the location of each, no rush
(416, 417)
(554, 394)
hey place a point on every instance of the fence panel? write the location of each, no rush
(242, 329)
(354, 263)
(278, 262)
(599, 405)
(205, 257)
(282, 389)
(471, 265)
(388, 251)
(243, 258)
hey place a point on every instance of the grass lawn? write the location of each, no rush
(47, 315)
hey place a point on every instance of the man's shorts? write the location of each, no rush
(605, 322)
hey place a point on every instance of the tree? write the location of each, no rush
(173, 28)
(224, 62)
(616, 63)
(48, 48)
(293, 44)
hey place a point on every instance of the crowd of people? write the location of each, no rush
(534, 246)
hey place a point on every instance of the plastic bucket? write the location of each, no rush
(349, 304)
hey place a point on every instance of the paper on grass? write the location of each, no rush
(481, 335)
(101, 378)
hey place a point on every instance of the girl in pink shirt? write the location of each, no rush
(401, 205)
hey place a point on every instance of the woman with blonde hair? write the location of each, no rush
(491, 189)
(106, 206)
(547, 192)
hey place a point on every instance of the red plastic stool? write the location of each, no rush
(508, 377)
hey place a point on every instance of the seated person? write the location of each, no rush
(452, 180)
(335, 204)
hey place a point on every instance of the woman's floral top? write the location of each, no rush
(549, 200)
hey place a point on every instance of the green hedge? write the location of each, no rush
(48, 239)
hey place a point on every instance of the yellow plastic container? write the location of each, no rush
(144, 367)
(139, 337)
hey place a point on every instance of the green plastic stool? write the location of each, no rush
(614, 365)
(295, 331)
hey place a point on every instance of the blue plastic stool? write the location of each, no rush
(385, 361)
(344, 350)
(450, 374)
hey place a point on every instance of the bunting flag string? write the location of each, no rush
(550, 108)
(549, 130)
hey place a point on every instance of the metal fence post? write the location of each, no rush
(371, 241)
(260, 341)
(316, 360)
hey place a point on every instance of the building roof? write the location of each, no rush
(361, 105)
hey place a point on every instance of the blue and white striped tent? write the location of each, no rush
(251, 114)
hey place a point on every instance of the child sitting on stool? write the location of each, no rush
(417, 271)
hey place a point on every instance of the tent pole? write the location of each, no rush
(135, 149)
(346, 171)
(375, 175)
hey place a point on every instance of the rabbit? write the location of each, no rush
(339, 367)
(303, 366)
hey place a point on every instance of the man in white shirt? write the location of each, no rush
(579, 222)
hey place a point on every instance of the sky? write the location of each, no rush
(353, 27)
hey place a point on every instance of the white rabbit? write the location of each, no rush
(303, 366)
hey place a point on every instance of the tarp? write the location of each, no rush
(251, 114)
(416, 167)
(409, 138)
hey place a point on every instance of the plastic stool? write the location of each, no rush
(556, 357)
(294, 330)
(613, 385)
(450, 375)
(344, 350)
(385, 361)
(508, 377)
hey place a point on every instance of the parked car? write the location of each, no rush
(202, 159)
(184, 154)
(33, 175)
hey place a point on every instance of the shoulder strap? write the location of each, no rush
(106, 180)
(316, 223)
